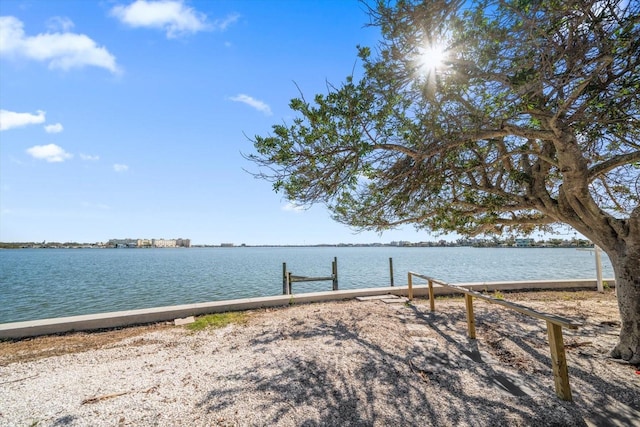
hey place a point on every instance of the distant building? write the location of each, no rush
(164, 243)
(524, 243)
(226, 245)
(401, 243)
(183, 243)
(145, 243)
(149, 243)
(122, 243)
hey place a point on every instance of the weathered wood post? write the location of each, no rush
(432, 303)
(391, 270)
(410, 284)
(285, 285)
(334, 273)
(559, 362)
(471, 322)
(289, 291)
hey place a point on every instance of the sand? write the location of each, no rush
(357, 363)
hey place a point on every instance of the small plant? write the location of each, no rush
(497, 294)
(291, 300)
(606, 286)
(217, 320)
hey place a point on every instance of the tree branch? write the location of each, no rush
(579, 90)
(400, 149)
(528, 133)
(612, 163)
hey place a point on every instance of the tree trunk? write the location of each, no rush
(626, 266)
(619, 238)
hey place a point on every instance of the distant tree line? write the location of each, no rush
(25, 245)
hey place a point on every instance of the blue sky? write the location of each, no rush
(123, 118)
(128, 119)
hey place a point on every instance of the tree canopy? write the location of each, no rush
(531, 118)
(483, 116)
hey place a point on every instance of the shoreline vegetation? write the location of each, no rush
(476, 243)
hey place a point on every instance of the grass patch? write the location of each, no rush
(218, 320)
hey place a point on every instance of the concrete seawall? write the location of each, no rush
(118, 319)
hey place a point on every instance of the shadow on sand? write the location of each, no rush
(324, 372)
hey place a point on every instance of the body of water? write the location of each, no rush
(44, 283)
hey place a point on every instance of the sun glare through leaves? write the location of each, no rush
(427, 61)
(430, 58)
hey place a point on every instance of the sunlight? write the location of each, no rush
(430, 58)
(429, 61)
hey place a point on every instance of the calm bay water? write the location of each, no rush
(44, 283)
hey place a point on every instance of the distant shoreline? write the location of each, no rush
(4, 245)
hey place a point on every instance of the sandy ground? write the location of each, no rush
(358, 363)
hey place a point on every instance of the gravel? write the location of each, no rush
(350, 363)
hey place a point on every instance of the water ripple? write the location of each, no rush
(43, 283)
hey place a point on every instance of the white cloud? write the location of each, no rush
(60, 23)
(10, 119)
(56, 128)
(171, 16)
(51, 153)
(223, 24)
(292, 207)
(89, 157)
(118, 167)
(252, 102)
(61, 50)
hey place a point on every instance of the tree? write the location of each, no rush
(531, 119)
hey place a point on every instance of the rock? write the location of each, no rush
(184, 321)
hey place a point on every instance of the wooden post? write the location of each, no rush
(289, 292)
(391, 270)
(598, 269)
(334, 273)
(432, 302)
(285, 286)
(410, 283)
(471, 322)
(559, 362)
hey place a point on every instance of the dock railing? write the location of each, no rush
(554, 326)
(288, 278)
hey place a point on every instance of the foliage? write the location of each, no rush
(218, 320)
(11, 245)
(533, 119)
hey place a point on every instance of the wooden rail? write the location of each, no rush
(554, 327)
(288, 278)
